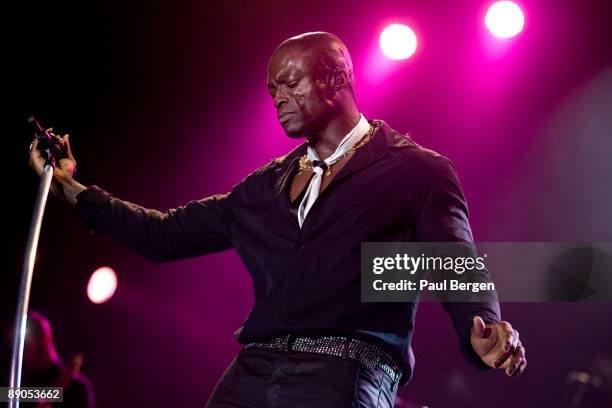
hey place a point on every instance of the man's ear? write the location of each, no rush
(338, 79)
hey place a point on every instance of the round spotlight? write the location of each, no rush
(398, 42)
(505, 19)
(102, 285)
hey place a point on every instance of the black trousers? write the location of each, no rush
(262, 378)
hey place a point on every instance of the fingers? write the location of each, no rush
(67, 146)
(479, 326)
(509, 340)
(518, 363)
(64, 141)
(66, 164)
(58, 139)
(35, 157)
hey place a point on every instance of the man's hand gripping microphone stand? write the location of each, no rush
(51, 151)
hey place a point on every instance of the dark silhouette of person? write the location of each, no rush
(298, 223)
(43, 367)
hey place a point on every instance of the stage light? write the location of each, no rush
(102, 285)
(505, 19)
(398, 42)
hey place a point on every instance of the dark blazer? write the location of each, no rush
(308, 280)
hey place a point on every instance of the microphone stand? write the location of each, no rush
(23, 300)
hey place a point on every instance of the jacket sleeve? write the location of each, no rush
(443, 217)
(197, 228)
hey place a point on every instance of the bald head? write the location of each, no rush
(324, 51)
(310, 77)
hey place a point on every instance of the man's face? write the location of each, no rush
(298, 96)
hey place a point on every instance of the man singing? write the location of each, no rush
(298, 223)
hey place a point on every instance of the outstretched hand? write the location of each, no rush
(498, 345)
(66, 165)
(63, 185)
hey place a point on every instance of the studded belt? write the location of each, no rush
(367, 354)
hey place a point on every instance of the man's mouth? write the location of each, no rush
(285, 117)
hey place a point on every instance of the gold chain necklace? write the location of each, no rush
(306, 164)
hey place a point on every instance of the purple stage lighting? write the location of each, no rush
(505, 19)
(102, 285)
(398, 42)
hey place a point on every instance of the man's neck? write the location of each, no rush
(327, 140)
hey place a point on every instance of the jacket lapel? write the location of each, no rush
(371, 152)
(288, 164)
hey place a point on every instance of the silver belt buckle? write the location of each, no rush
(290, 342)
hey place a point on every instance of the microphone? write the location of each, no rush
(51, 149)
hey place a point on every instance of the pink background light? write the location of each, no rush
(505, 19)
(102, 285)
(398, 42)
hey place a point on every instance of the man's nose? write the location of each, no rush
(279, 98)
